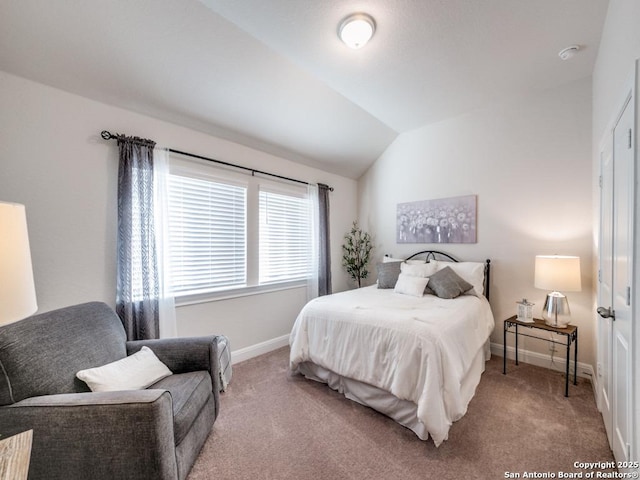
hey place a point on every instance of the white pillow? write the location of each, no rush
(134, 372)
(418, 270)
(472, 272)
(408, 285)
(386, 259)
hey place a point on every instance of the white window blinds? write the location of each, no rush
(284, 238)
(207, 234)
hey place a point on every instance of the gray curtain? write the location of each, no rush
(324, 255)
(137, 286)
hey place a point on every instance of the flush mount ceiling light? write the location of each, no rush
(567, 53)
(356, 30)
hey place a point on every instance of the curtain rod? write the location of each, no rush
(109, 136)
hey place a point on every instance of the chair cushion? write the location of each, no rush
(40, 355)
(189, 392)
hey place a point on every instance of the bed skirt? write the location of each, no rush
(403, 412)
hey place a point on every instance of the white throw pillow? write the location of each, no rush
(386, 259)
(418, 270)
(409, 285)
(472, 272)
(134, 372)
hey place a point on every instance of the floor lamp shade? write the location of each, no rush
(17, 290)
(555, 272)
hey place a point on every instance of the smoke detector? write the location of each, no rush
(569, 52)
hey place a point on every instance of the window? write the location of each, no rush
(207, 234)
(232, 232)
(284, 237)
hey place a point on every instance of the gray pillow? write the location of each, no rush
(388, 274)
(446, 283)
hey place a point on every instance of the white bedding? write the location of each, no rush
(417, 348)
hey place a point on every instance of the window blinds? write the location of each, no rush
(285, 244)
(207, 234)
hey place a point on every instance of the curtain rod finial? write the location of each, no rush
(106, 135)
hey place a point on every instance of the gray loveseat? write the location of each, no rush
(155, 433)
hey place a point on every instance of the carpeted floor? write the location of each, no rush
(275, 425)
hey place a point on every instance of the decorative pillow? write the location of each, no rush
(134, 372)
(387, 259)
(418, 270)
(388, 274)
(408, 285)
(446, 283)
(472, 272)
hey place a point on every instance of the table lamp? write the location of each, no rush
(557, 273)
(17, 290)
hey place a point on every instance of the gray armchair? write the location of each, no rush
(155, 433)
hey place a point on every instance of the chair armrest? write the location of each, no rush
(126, 434)
(90, 399)
(186, 354)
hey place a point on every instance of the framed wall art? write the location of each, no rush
(444, 220)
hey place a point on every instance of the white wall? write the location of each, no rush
(53, 160)
(529, 163)
(619, 49)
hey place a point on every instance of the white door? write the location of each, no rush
(616, 283)
(605, 290)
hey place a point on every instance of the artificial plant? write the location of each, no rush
(355, 253)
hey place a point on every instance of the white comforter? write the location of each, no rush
(417, 348)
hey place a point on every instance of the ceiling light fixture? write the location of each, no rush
(569, 52)
(356, 30)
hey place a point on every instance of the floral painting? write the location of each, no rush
(445, 220)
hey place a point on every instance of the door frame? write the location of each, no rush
(631, 88)
(635, 287)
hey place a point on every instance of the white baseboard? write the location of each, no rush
(542, 360)
(261, 348)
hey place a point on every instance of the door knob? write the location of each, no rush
(606, 312)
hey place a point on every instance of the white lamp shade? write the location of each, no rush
(558, 273)
(17, 290)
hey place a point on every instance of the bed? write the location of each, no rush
(416, 358)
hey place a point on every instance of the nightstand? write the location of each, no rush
(571, 332)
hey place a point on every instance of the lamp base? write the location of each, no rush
(556, 311)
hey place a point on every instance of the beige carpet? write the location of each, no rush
(275, 425)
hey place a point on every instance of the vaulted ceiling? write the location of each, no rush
(272, 74)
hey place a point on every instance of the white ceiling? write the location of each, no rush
(273, 75)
